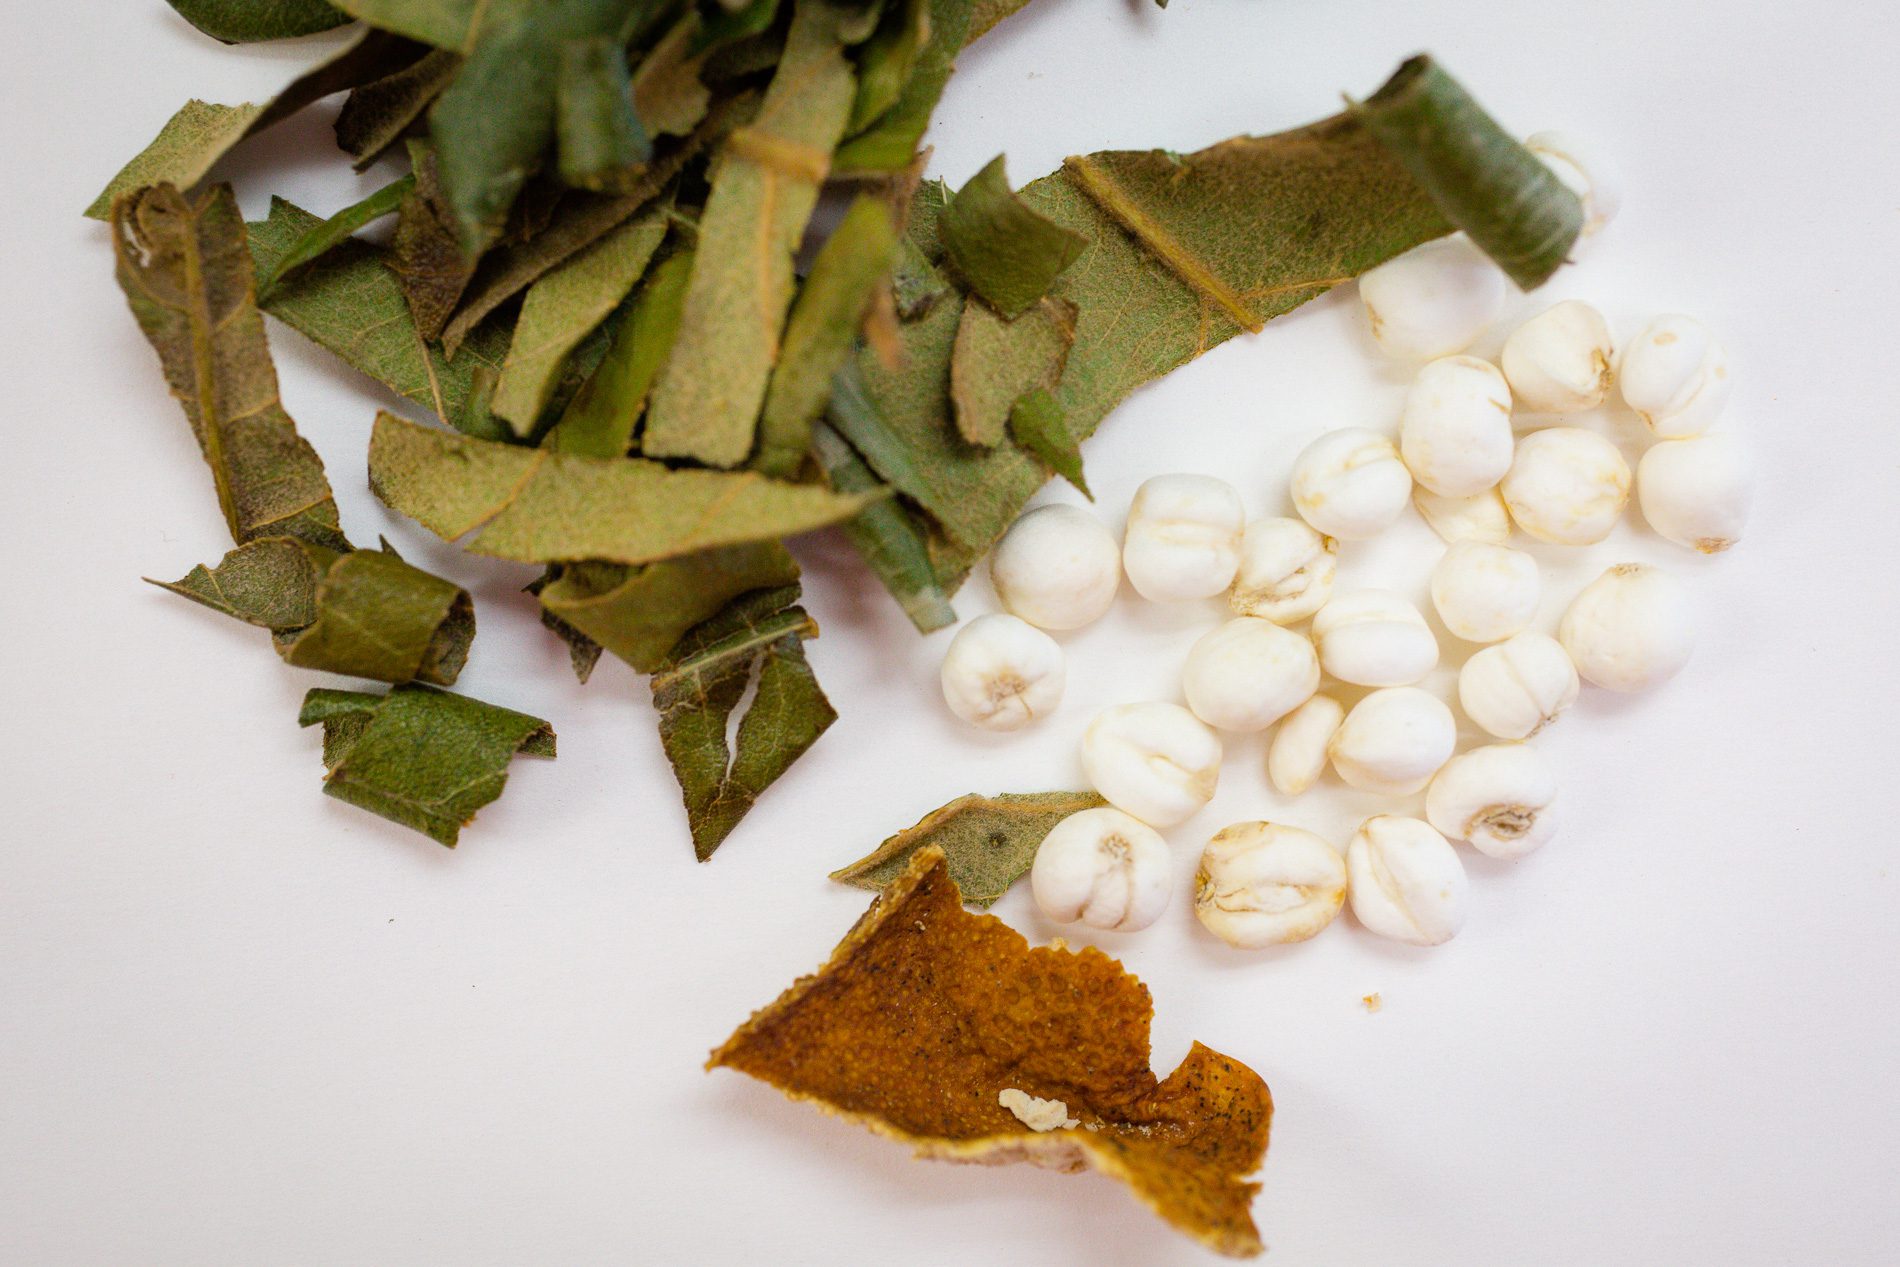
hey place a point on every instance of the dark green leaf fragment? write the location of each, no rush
(706, 405)
(187, 275)
(885, 532)
(599, 137)
(1037, 426)
(996, 361)
(890, 143)
(245, 21)
(337, 229)
(821, 331)
(989, 842)
(539, 506)
(599, 422)
(426, 252)
(418, 756)
(380, 113)
(728, 23)
(1008, 251)
(641, 613)
(350, 302)
(759, 637)
(886, 60)
(1484, 181)
(565, 306)
(492, 123)
(365, 613)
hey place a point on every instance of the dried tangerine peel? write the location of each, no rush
(925, 1012)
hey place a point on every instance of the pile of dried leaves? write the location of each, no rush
(591, 283)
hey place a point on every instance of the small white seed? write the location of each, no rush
(1393, 741)
(1567, 486)
(1586, 171)
(1497, 798)
(1297, 756)
(1485, 593)
(1103, 868)
(1479, 517)
(1249, 673)
(1158, 762)
(1433, 300)
(1350, 484)
(1518, 687)
(1696, 492)
(1406, 881)
(1559, 361)
(1002, 673)
(1266, 884)
(1675, 376)
(1630, 629)
(1183, 537)
(1374, 638)
(1286, 571)
(1057, 567)
(1455, 431)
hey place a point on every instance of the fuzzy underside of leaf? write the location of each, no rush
(989, 843)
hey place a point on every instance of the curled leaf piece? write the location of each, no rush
(599, 421)
(599, 137)
(337, 229)
(1485, 182)
(378, 114)
(890, 141)
(246, 21)
(988, 843)
(349, 301)
(925, 1014)
(186, 273)
(759, 638)
(418, 756)
(365, 613)
(539, 506)
(765, 184)
(885, 533)
(821, 331)
(640, 614)
(1008, 251)
(563, 308)
(1038, 428)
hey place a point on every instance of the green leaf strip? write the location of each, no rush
(989, 842)
(335, 230)
(1008, 251)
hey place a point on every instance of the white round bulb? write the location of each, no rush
(1266, 884)
(1057, 567)
(1374, 638)
(1393, 741)
(1587, 173)
(1156, 761)
(1675, 376)
(1350, 484)
(1630, 629)
(1406, 881)
(1559, 361)
(1696, 492)
(1286, 571)
(1497, 798)
(1567, 486)
(1002, 673)
(1183, 537)
(1479, 517)
(1485, 593)
(1249, 673)
(1455, 430)
(1433, 300)
(1519, 686)
(1297, 756)
(1102, 868)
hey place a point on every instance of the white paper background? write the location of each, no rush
(243, 1023)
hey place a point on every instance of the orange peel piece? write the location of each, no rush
(926, 1012)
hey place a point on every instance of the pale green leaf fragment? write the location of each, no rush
(1037, 426)
(989, 842)
(336, 230)
(668, 93)
(760, 639)
(187, 276)
(350, 302)
(1007, 251)
(183, 151)
(380, 113)
(765, 184)
(821, 331)
(599, 137)
(640, 614)
(1504, 198)
(418, 756)
(539, 506)
(365, 613)
(246, 21)
(886, 60)
(886, 534)
(599, 421)
(996, 361)
(563, 307)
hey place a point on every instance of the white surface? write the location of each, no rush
(244, 1023)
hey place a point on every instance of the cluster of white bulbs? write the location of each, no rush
(1459, 460)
